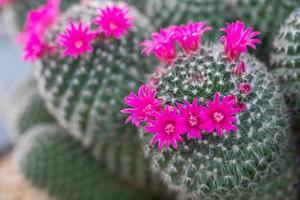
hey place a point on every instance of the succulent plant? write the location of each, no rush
(285, 60)
(53, 160)
(211, 111)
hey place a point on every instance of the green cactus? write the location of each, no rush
(53, 160)
(31, 110)
(237, 165)
(86, 94)
(286, 61)
(16, 14)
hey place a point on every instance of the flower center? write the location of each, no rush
(218, 117)
(148, 109)
(112, 26)
(193, 120)
(78, 44)
(170, 128)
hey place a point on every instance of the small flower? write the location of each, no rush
(239, 69)
(162, 45)
(245, 88)
(39, 21)
(34, 49)
(242, 107)
(114, 21)
(76, 40)
(4, 2)
(144, 106)
(219, 115)
(193, 122)
(189, 36)
(167, 127)
(237, 39)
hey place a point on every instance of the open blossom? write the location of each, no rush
(189, 36)
(76, 40)
(34, 49)
(237, 39)
(39, 21)
(162, 45)
(114, 21)
(193, 122)
(167, 127)
(144, 106)
(219, 115)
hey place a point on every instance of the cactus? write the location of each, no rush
(221, 149)
(224, 168)
(85, 94)
(53, 160)
(285, 60)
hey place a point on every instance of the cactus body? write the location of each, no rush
(85, 94)
(236, 165)
(286, 59)
(54, 161)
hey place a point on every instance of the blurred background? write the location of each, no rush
(11, 69)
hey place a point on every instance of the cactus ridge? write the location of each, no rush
(286, 59)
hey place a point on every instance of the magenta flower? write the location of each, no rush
(245, 88)
(167, 127)
(162, 45)
(237, 39)
(239, 69)
(34, 49)
(219, 115)
(193, 122)
(144, 106)
(189, 36)
(4, 2)
(114, 21)
(39, 21)
(76, 40)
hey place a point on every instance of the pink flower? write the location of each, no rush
(34, 49)
(237, 39)
(76, 40)
(114, 21)
(167, 127)
(245, 88)
(40, 20)
(239, 69)
(162, 45)
(219, 115)
(189, 36)
(144, 106)
(193, 122)
(4, 2)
